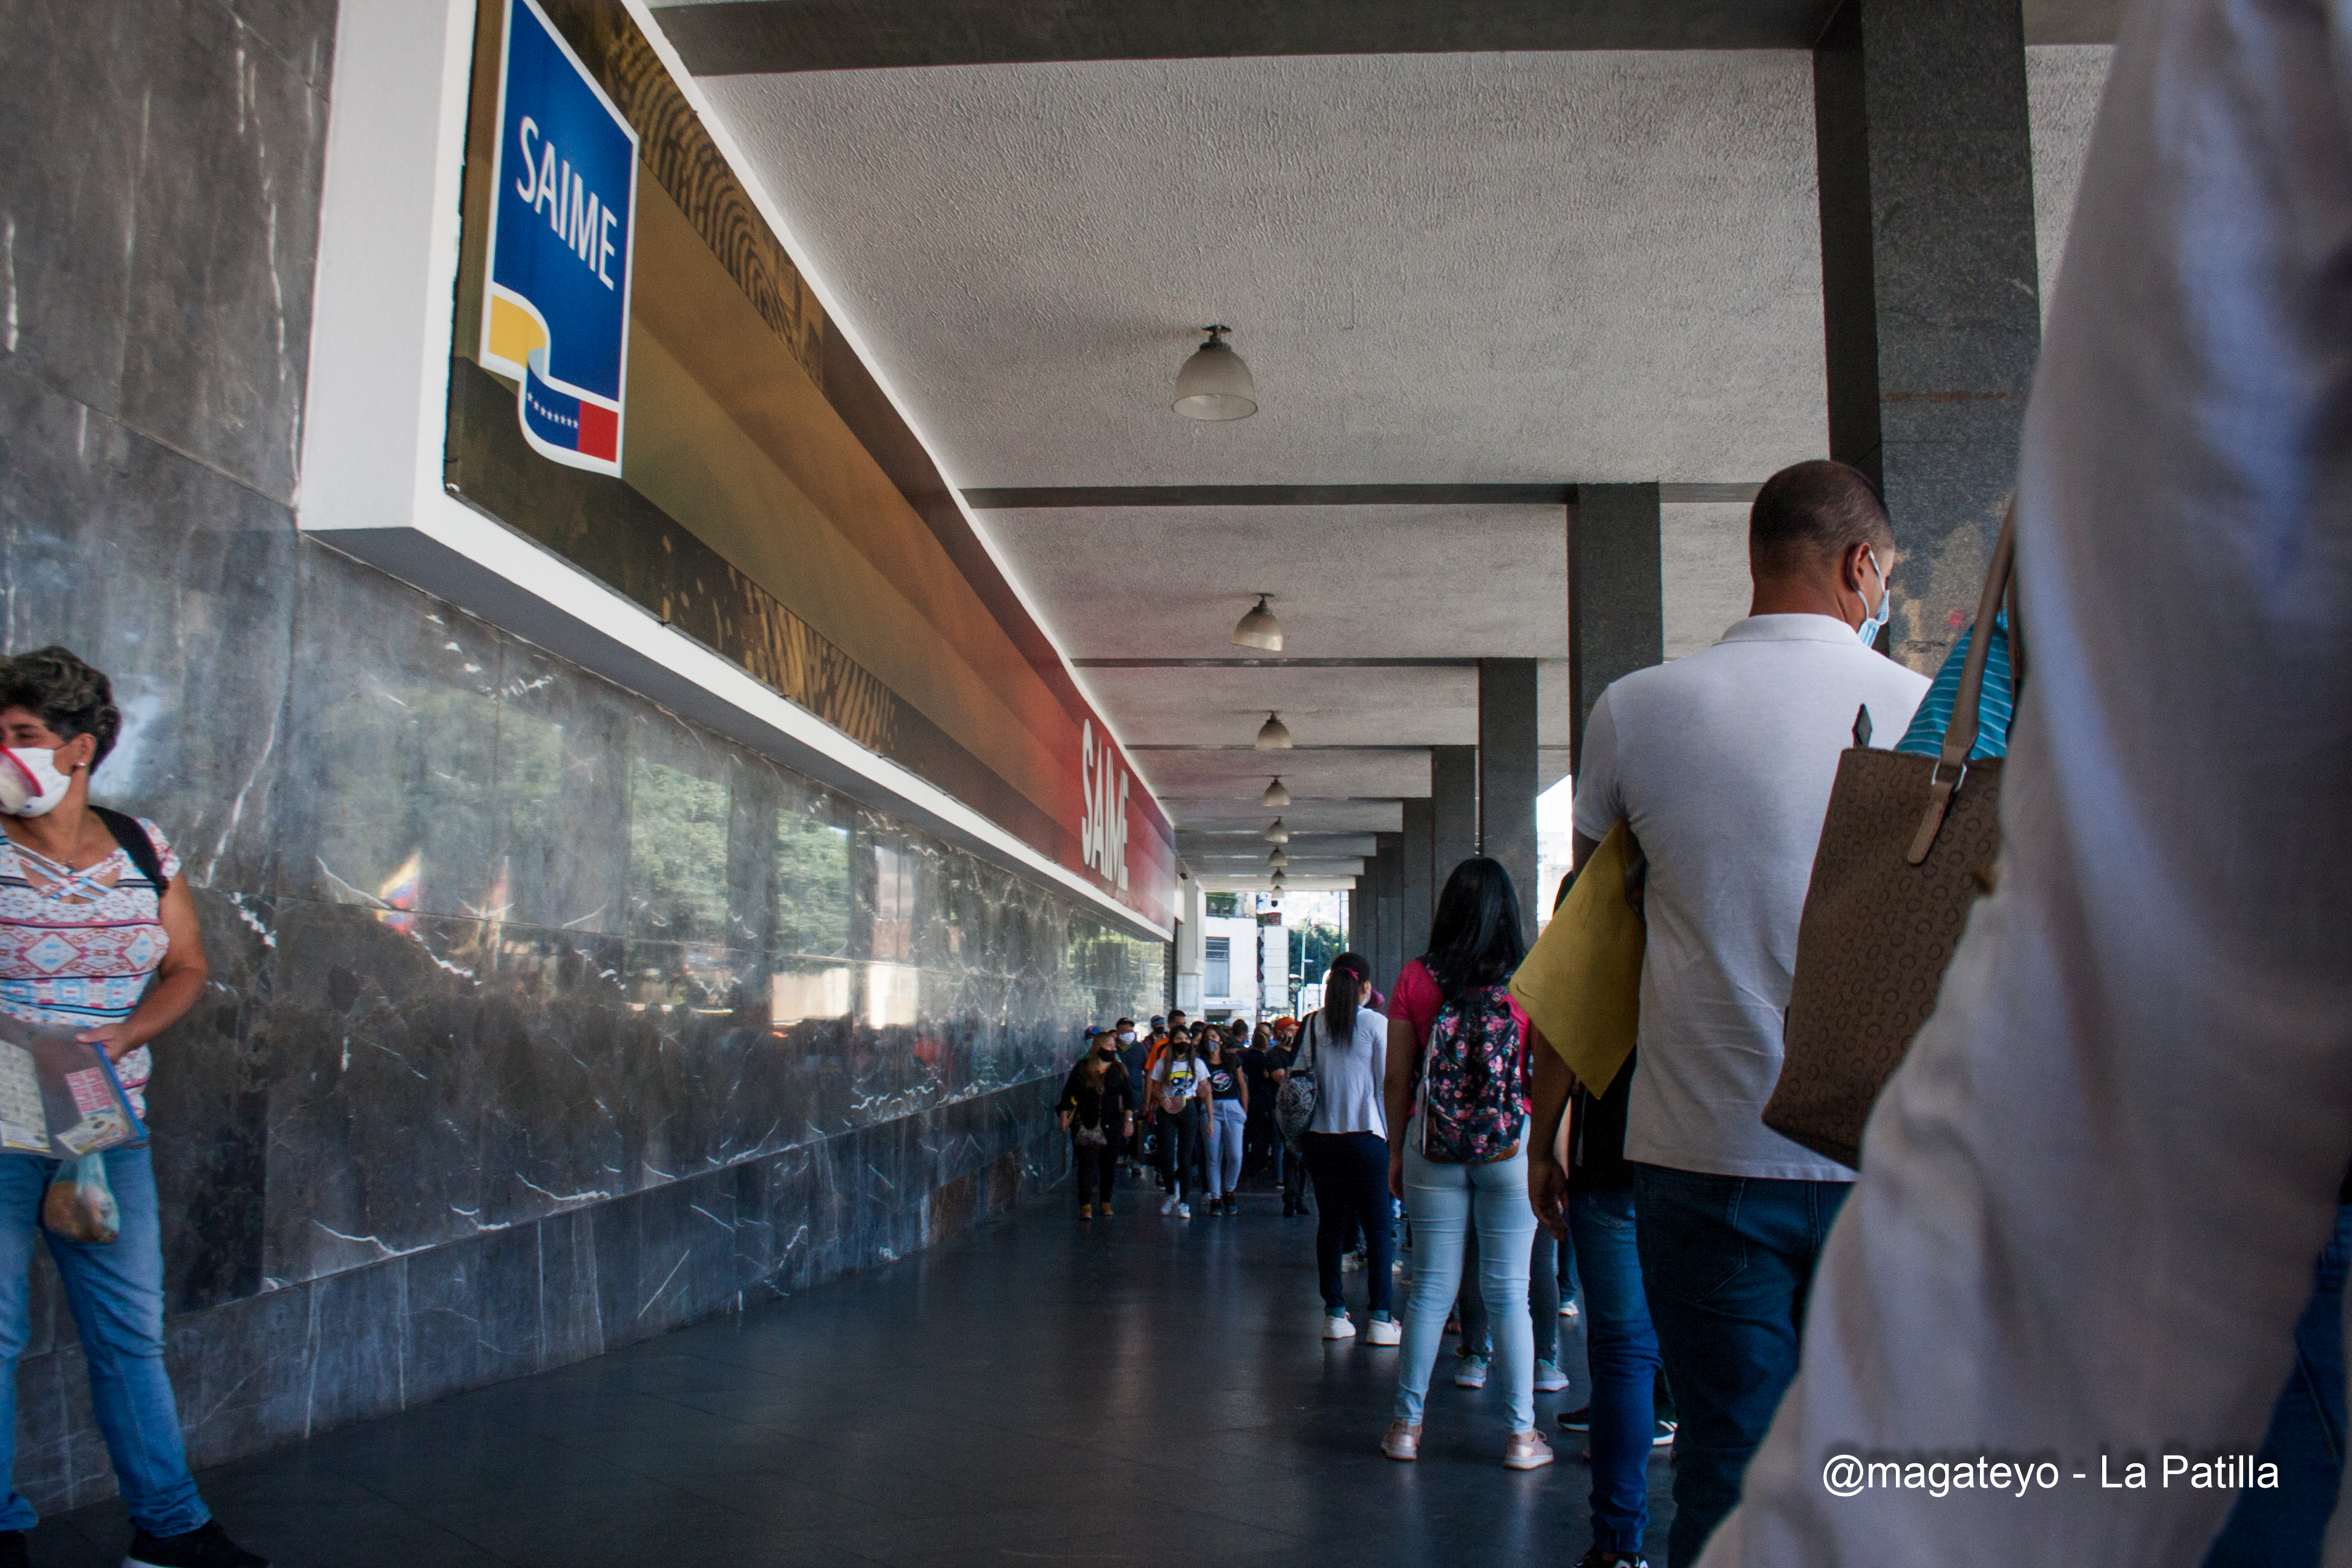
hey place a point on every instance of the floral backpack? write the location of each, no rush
(1473, 1081)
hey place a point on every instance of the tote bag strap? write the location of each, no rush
(1960, 734)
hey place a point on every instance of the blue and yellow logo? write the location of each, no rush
(564, 178)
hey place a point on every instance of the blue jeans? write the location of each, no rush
(1227, 1124)
(2283, 1528)
(1726, 1263)
(1441, 1201)
(116, 1293)
(1620, 1350)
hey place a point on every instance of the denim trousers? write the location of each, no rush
(2283, 1528)
(115, 1290)
(1726, 1262)
(1441, 1201)
(1228, 1124)
(1620, 1350)
(1351, 1189)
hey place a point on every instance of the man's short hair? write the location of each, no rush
(1814, 513)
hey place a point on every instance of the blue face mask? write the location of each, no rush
(1875, 620)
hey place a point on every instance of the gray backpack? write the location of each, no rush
(1294, 1103)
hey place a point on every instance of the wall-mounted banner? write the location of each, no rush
(1102, 816)
(562, 224)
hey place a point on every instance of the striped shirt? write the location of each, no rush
(1925, 736)
(78, 948)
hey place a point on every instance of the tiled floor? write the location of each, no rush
(1131, 1392)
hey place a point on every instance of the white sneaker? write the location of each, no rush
(1568, 1307)
(1167, 1203)
(1470, 1372)
(1351, 1262)
(1336, 1326)
(1384, 1331)
(1550, 1379)
(1184, 1211)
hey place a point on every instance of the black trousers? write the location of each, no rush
(1183, 1140)
(1095, 1167)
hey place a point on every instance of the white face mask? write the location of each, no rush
(30, 784)
(1127, 1036)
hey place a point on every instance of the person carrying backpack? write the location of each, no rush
(1457, 1084)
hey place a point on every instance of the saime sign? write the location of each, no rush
(562, 226)
(1102, 822)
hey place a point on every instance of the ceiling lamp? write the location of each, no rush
(1279, 859)
(1275, 797)
(1276, 832)
(1277, 883)
(1259, 628)
(1215, 384)
(1273, 735)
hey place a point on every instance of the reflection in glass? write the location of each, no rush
(677, 852)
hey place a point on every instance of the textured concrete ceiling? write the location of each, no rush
(1440, 268)
(1530, 267)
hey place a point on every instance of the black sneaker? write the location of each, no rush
(1577, 1420)
(1596, 1558)
(207, 1546)
(14, 1552)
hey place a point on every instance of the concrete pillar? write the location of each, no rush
(1616, 600)
(1928, 281)
(1191, 949)
(1417, 858)
(1454, 801)
(1390, 958)
(1507, 773)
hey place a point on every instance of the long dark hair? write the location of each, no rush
(1350, 973)
(1475, 939)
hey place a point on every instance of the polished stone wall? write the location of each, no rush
(542, 1020)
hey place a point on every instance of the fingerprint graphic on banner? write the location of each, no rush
(563, 233)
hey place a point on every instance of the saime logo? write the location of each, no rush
(555, 314)
(1102, 822)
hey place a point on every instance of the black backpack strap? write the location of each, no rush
(135, 844)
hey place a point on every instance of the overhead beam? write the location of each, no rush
(1275, 663)
(1064, 496)
(766, 36)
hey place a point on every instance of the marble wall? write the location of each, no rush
(540, 1020)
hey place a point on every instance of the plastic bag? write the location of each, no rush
(80, 1203)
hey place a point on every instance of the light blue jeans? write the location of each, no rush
(1228, 1126)
(1441, 1201)
(116, 1294)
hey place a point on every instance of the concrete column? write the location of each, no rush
(1417, 858)
(1389, 958)
(1928, 281)
(1454, 801)
(1506, 773)
(1191, 949)
(1616, 600)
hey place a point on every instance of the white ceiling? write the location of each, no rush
(1442, 268)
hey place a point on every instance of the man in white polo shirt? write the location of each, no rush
(1722, 763)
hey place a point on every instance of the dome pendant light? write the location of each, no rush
(1259, 628)
(1215, 385)
(1273, 735)
(1275, 797)
(1276, 833)
(1279, 859)
(1277, 883)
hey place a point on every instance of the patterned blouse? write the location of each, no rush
(77, 950)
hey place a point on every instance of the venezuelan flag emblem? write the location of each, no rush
(563, 236)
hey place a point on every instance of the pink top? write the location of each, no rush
(1418, 997)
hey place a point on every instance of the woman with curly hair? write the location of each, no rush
(97, 935)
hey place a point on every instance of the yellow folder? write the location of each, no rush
(1581, 986)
